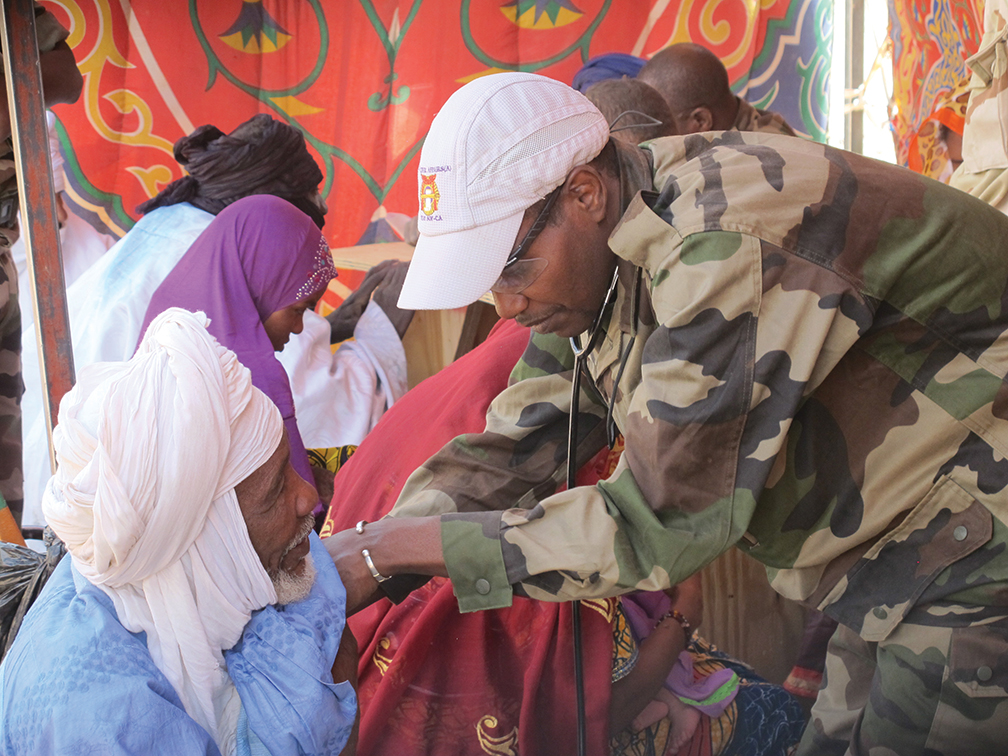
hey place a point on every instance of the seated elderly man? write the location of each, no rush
(198, 612)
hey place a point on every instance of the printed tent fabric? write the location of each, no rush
(363, 79)
(931, 41)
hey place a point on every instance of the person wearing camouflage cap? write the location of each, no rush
(806, 355)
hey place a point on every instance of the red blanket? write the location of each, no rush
(435, 681)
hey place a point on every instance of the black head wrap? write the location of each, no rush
(262, 156)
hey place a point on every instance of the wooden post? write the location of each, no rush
(40, 229)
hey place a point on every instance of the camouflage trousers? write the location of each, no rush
(11, 386)
(926, 690)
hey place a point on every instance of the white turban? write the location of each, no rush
(149, 454)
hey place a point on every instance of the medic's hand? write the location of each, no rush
(397, 545)
(361, 588)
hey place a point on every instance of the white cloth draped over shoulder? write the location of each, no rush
(149, 453)
(339, 397)
(107, 305)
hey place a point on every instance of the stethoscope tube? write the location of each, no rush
(580, 354)
(576, 605)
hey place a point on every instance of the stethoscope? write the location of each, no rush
(580, 356)
(581, 353)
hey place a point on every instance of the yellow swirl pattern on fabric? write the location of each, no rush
(605, 607)
(153, 178)
(381, 660)
(77, 22)
(712, 32)
(496, 745)
(332, 458)
(127, 102)
(680, 29)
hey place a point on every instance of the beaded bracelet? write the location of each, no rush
(680, 618)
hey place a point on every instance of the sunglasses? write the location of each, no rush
(520, 273)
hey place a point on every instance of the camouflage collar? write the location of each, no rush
(635, 171)
(635, 174)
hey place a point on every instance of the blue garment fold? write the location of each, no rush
(609, 66)
(77, 682)
(282, 668)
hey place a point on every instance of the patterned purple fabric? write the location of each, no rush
(643, 609)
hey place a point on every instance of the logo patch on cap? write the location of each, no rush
(429, 194)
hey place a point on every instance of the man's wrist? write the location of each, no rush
(408, 546)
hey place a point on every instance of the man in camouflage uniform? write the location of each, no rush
(694, 82)
(61, 83)
(806, 357)
(984, 169)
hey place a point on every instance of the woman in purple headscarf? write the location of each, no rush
(255, 270)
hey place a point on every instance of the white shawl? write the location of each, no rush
(149, 454)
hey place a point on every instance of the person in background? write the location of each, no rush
(61, 83)
(341, 396)
(197, 612)
(108, 302)
(80, 244)
(634, 110)
(255, 271)
(984, 170)
(694, 82)
(614, 65)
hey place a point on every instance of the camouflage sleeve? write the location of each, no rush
(703, 428)
(519, 459)
(521, 455)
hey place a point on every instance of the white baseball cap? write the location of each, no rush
(500, 144)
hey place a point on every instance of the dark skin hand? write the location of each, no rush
(397, 546)
(656, 655)
(345, 668)
(343, 319)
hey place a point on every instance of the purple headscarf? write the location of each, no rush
(259, 255)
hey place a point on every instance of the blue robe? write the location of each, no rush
(77, 682)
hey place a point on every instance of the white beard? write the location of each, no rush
(293, 588)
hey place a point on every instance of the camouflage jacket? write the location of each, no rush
(817, 376)
(985, 140)
(750, 118)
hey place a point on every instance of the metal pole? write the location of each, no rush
(855, 73)
(40, 229)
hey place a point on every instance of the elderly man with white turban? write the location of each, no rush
(198, 612)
